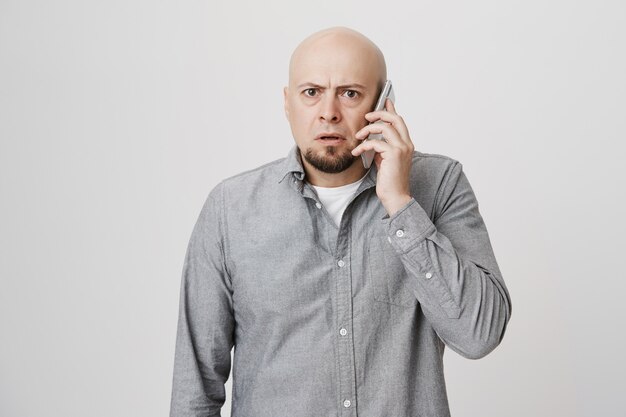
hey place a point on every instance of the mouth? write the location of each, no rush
(330, 138)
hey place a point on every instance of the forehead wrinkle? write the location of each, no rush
(344, 85)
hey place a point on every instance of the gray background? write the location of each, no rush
(118, 117)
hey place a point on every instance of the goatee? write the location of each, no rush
(332, 161)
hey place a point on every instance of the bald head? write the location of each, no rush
(332, 47)
(335, 77)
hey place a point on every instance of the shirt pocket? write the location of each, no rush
(387, 275)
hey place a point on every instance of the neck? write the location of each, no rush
(323, 179)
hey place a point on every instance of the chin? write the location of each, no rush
(330, 158)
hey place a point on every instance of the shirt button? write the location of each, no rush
(429, 275)
(318, 205)
(346, 403)
(399, 232)
(341, 263)
(343, 332)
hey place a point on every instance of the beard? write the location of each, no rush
(332, 160)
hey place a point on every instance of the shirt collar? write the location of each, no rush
(293, 164)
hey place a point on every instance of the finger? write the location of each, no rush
(386, 130)
(392, 118)
(377, 145)
(390, 106)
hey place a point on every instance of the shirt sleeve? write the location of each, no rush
(205, 322)
(452, 267)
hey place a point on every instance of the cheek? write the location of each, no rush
(357, 121)
(302, 123)
(304, 117)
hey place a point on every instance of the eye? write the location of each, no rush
(351, 93)
(310, 92)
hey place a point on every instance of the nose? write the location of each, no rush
(329, 111)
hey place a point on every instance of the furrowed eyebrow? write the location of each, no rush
(309, 85)
(313, 85)
(355, 85)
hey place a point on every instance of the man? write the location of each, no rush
(339, 287)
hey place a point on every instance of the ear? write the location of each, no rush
(286, 98)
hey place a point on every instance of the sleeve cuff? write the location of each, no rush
(408, 226)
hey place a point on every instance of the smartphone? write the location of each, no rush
(386, 93)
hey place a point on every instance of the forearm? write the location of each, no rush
(201, 363)
(462, 294)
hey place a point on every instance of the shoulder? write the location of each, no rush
(266, 170)
(244, 183)
(433, 159)
(433, 168)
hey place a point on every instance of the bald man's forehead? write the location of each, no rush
(335, 74)
(337, 60)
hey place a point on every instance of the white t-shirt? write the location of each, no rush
(336, 199)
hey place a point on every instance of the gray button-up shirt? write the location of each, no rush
(327, 321)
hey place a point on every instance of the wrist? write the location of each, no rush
(394, 204)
